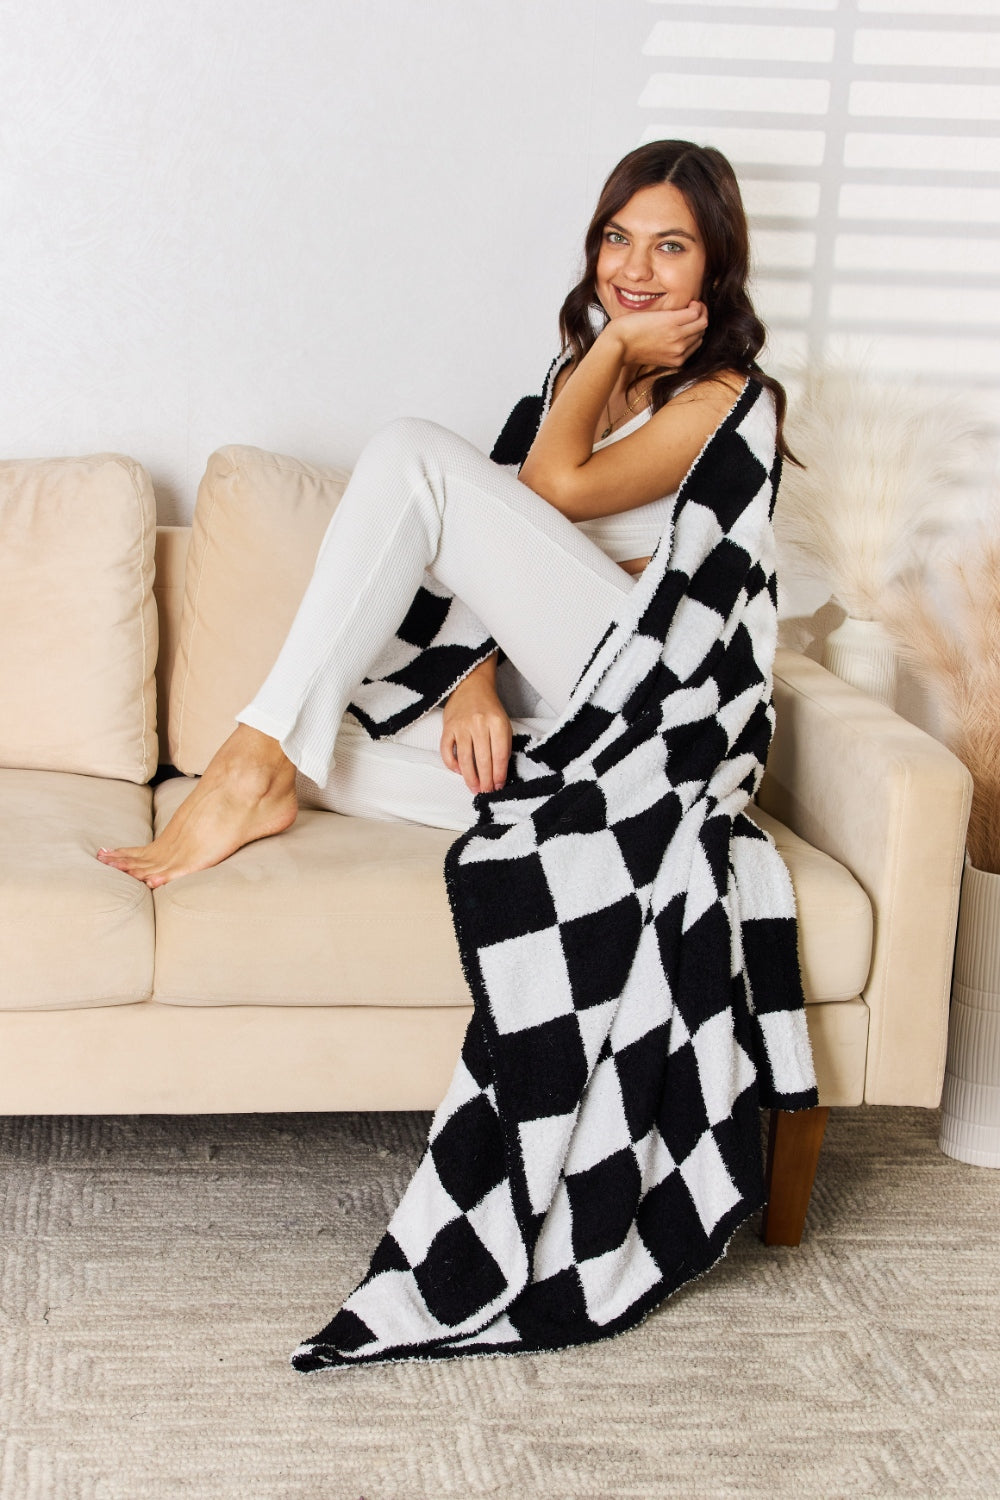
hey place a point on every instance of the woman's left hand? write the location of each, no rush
(477, 737)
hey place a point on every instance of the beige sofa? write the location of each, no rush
(319, 970)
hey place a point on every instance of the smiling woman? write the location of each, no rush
(542, 560)
(670, 232)
(642, 268)
(600, 1141)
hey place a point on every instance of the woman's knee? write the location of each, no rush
(407, 438)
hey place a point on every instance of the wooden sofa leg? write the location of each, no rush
(793, 1145)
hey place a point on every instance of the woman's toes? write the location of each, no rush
(119, 857)
(129, 861)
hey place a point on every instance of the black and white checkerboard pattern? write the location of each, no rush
(441, 640)
(629, 938)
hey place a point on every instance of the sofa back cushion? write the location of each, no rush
(258, 523)
(78, 627)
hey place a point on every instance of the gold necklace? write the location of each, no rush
(630, 411)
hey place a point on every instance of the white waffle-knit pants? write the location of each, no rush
(421, 498)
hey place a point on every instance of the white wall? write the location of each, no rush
(238, 221)
(231, 221)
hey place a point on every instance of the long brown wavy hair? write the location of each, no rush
(735, 335)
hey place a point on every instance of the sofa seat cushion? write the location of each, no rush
(353, 911)
(78, 624)
(335, 911)
(72, 931)
(836, 925)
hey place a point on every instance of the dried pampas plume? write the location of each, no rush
(882, 464)
(957, 652)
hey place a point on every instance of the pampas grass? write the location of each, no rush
(957, 652)
(882, 466)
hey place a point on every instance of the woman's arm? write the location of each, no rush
(562, 466)
(477, 737)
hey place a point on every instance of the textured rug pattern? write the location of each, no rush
(155, 1274)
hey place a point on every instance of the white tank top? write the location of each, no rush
(630, 533)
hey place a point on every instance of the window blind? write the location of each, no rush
(866, 136)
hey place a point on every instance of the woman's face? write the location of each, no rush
(651, 256)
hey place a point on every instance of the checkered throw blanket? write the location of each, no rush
(629, 938)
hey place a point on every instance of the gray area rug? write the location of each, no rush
(157, 1273)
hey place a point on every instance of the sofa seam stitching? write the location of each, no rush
(195, 612)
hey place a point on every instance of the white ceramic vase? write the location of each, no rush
(862, 653)
(970, 1126)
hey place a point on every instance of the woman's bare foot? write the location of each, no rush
(246, 793)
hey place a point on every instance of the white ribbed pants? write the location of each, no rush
(422, 498)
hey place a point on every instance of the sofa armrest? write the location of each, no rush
(892, 804)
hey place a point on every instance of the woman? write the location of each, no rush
(542, 561)
(628, 934)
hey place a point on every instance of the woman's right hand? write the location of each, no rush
(661, 339)
(477, 737)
